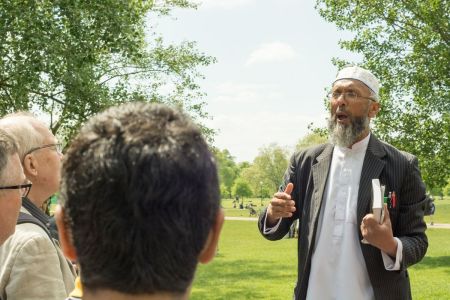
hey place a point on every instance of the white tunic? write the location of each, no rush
(338, 270)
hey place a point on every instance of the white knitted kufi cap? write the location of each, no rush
(363, 75)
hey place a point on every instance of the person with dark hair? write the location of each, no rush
(33, 265)
(344, 251)
(13, 185)
(139, 203)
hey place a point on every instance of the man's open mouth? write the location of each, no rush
(341, 116)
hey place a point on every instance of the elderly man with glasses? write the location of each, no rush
(32, 265)
(344, 251)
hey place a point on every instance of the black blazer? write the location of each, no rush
(308, 171)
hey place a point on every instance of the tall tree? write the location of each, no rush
(72, 58)
(259, 183)
(266, 171)
(309, 140)
(406, 44)
(241, 188)
(227, 169)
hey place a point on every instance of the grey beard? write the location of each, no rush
(346, 135)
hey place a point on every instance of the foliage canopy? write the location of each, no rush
(406, 44)
(227, 169)
(241, 188)
(265, 174)
(71, 59)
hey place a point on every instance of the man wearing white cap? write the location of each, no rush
(329, 189)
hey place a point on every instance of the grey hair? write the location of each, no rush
(8, 147)
(23, 127)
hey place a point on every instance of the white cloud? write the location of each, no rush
(249, 115)
(248, 93)
(243, 134)
(224, 4)
(272, 52)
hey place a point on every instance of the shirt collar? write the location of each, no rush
(356, 147)
(35, 211)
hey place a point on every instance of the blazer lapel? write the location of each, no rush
(372, 167)
(320, 173)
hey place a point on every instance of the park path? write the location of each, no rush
(435, 225)
(438, 225)
(241, 218)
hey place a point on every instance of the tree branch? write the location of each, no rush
(11, 101)
(130, 73)
(47, 96)
(52, 97)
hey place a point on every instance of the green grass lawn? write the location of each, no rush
(230, 211)
(248, 266)
(442, 214)
(430, 279)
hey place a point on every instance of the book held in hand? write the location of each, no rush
(377, 200)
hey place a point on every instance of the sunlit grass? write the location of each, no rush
(430, 279)
(248, 266)
(442, 214)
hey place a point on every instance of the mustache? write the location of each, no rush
(341, 110)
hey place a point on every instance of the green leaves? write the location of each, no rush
(72, 59)
(267, 169)
(241, 188)
(406, 44)
(260, 178)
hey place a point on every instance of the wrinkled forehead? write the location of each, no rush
(350, 84)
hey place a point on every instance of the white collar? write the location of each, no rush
(356, 147)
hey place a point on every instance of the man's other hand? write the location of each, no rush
(379, 235)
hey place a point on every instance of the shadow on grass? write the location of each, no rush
(433, 262)
(237, 279)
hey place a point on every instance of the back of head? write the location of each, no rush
(140, 192)
(9, 204)
(25, 129)
(8, 148)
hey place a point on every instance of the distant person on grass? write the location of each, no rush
(328, 189)
(140, 203)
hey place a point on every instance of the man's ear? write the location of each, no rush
(65, 234)
(374, 109)
(210, 247)
(30, 165)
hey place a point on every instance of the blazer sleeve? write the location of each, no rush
(283, 228)
(411, 225)
(36, 273)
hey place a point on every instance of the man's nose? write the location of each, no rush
(341, 101)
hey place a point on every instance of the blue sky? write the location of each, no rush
(274, 63)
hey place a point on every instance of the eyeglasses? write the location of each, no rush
(350, 96)
(57, 147)
(25, 188)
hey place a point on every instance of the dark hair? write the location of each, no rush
(8, 147)
(140, 188)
